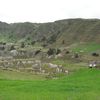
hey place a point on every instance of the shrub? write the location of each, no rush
(12, 48)
(95, 54)
(22, 45)
(51, 51)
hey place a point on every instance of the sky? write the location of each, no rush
(39, 11)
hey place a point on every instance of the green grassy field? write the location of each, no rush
(83, 84)
(86, 47)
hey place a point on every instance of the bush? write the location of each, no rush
(37, 52)
(22, 45)
(95, 54)
(12, 48)
(44, 45)
(33, 42)
(58, 51)
(51, 51)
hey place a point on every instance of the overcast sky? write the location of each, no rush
(47, 10)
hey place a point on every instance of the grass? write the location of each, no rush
(81, 85)
(13, 75)
(69, 65)
(89, 47)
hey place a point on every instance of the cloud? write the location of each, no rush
(47, 10)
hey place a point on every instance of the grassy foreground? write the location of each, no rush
(81, 85)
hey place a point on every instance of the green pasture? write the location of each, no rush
(83, 84)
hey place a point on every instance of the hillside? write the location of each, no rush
(60, 32)
(50, 61)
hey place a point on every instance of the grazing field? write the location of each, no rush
(83, 84)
